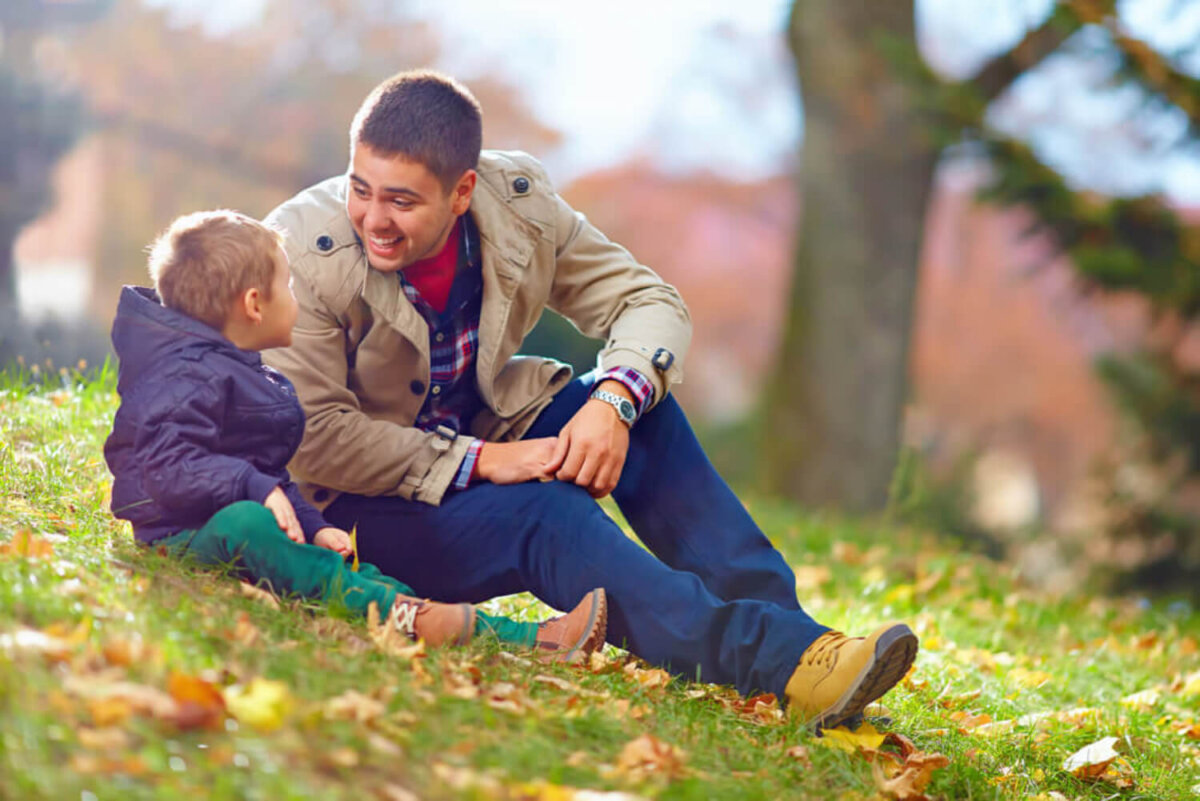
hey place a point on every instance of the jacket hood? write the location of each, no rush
(145, 332)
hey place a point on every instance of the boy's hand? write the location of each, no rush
(334, 539)
(285, 515)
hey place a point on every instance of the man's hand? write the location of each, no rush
(334, 539)
(592, 445)
(515, 462)
(285, 515)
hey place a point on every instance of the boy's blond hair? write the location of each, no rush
(204, 261)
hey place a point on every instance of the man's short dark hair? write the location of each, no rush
(422, 116)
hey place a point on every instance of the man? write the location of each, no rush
(470, 471)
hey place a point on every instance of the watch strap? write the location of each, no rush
(623, 406)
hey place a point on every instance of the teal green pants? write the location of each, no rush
(245, 536)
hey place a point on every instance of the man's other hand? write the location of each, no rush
(285, 515)
(515, 462)
(592, 445)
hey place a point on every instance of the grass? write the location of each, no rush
(94, 632)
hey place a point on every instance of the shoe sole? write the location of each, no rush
(597, 626)
(895, 651)
(593, 635)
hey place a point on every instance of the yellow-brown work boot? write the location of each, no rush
(838, 675)
(433, 622)
(576, 634)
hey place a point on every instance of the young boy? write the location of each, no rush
(205, 430)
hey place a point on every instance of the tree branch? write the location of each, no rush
(1000, 73)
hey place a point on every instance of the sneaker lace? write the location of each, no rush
(405, 618)
(823, 652)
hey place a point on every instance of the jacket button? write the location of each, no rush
(521, 185)
(321, 495)
(417, 387)
(325, 243)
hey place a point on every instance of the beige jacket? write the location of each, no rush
(360, 351)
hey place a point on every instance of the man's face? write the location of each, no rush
(399, 208)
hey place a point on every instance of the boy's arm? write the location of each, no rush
(183, 472)
(344, 448)
(311, 520)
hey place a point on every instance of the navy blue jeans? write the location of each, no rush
(711, 599)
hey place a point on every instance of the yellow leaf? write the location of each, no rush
(1191, 685)
(864, 738)
(354, 546)
(1143, 701)
(262, 704)
(1029, 678)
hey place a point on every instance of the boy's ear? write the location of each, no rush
(250, 304)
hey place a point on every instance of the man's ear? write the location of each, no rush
(460, 196)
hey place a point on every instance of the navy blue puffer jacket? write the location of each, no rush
(202, 424)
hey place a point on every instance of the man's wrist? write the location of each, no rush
(617, 388)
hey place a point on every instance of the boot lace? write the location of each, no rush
(824, 651)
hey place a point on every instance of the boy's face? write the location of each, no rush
(279, 309)
(399, 208)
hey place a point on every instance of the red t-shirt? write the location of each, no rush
(433, 277)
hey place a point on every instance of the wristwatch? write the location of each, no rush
(625, 409)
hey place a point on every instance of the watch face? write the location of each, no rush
(627, 410)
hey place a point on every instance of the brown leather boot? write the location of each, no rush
(838, 675)
(433, 622)
(576, 634)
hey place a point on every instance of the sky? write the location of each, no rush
(707, 84)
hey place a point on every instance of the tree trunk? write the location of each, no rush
(8, 275)
(835, 402)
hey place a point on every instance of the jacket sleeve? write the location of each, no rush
(311, 520)
(607, 294)
(344, 448)
(182, 470)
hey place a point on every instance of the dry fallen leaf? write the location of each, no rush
(1090, 762)
(244, 631)
(800, 754)
(649, 678)
(55, 649)
(505, 697)
(200, 704)
(27, 546)
(104, 739)
(248, 590)
(649, 756)
(913, 776)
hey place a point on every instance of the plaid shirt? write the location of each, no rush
(453, 399)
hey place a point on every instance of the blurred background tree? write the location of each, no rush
(39, 121)
(876, 120)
